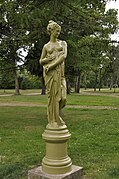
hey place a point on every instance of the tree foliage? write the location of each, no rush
(86, 27)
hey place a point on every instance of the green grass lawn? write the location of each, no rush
(21, 142)
(12, 91)
(94, 143)
(103, 90)
(73, 99)
(92, 100)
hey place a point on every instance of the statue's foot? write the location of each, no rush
(53, 124)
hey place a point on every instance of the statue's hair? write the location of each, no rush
(52, 25)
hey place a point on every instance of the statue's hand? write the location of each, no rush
(50, 58)
(53, 57)
(48, 68)
(61, 53)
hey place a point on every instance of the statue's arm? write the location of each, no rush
(59, 61)
(63, 54)
(61, 58)
(43, 60)
(64, 44)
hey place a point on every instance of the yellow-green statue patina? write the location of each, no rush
(52, 58)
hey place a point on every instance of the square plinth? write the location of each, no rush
(37, 173)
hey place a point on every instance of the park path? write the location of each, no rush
(13, 104)
(67, 106)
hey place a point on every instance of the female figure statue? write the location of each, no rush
(52, 58)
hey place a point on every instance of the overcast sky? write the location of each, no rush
(114, 5)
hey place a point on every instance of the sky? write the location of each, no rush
(114, 5)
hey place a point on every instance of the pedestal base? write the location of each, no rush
(56, 160)
(37, 173)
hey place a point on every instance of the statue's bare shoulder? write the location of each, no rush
(62, 42)
(46, 46)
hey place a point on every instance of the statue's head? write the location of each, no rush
(52, 26)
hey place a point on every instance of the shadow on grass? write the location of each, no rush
(114, 172)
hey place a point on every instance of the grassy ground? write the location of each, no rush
(94, 143)
(73, 99)
(103, 90)
(21, 146)
(12, 91)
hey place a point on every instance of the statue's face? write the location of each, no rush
(56, 32)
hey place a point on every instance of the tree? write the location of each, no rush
(112, 68)
(21, 24)
(92, 39)
(84, 23)
(6, 75)
(12, 36)
(32, 63)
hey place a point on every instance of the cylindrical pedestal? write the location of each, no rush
(56, 160)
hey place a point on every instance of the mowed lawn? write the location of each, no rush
(73, 99)
(94, 144)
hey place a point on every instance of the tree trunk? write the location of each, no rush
(68, 86)
(43, 90)
(77, 84)
(100, 80)
(4, 90)
(96, 77)
(17, 92)
(111, 82)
